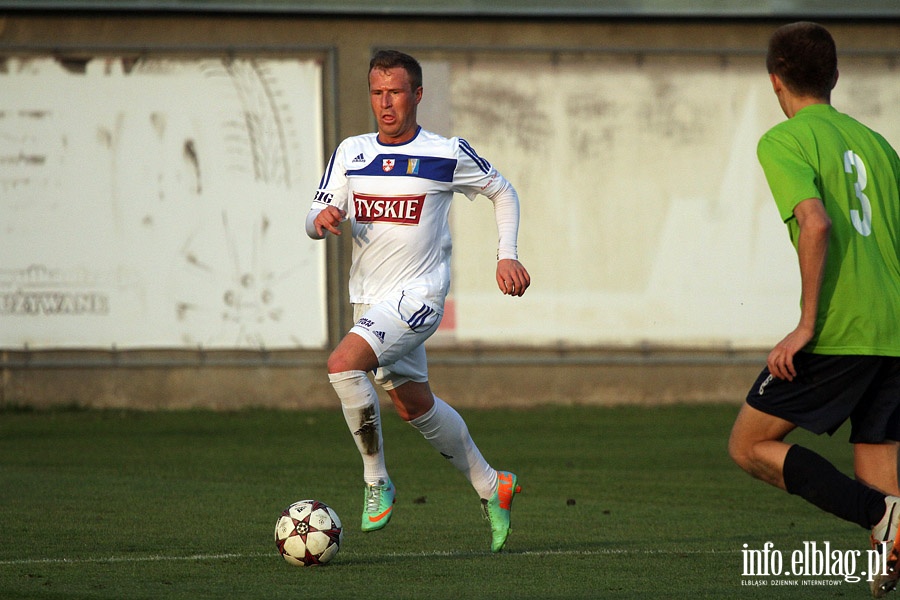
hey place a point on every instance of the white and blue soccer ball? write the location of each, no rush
(308, 533)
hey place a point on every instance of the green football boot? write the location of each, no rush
(497, 509)
(378, 504)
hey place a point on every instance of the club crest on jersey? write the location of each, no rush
(402, 210)
(387, 165)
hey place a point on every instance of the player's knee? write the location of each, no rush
(352, 354)
(412, 400)
(337, 363)
(340, 361)
(409, 408)
(740, 452)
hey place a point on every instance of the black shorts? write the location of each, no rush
(830, 389)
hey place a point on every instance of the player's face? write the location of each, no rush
(394, 104)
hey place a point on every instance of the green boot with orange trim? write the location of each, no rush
(378, 505)
(497, 509)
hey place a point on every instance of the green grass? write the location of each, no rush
(110, 504)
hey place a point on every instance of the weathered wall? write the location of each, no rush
(471, 379)
(496, 374)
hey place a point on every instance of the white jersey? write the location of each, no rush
(397, 198)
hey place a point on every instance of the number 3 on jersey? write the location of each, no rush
(862, 224)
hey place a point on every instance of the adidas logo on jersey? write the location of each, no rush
(359, 158)
(380, 335)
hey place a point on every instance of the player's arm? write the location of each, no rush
(812, 249)
(474, 176)
(326, 213)
(512, 277)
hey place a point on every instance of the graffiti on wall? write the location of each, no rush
(159, 203)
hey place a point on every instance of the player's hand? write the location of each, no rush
(329, 219)
(781, 358)
(512, 278)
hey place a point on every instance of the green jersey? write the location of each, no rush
(822, 153)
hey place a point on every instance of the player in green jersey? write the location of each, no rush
(837, 187)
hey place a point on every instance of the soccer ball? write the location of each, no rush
(308, 533)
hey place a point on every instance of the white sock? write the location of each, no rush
(445, 429)
(359, 402)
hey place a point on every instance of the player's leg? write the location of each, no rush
(876, 426)
(347, 370)
(876, 429)
(379, 336)
(757, 444)
(397, 329)
(826, 392)
(876, 466)
(411, 399)
(406, 382)
(446, 431)
(404, 324)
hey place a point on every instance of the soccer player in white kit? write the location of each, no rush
(395, 188)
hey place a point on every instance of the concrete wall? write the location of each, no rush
(471, 378)
(550, 370)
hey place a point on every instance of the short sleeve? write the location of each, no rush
(791, 176)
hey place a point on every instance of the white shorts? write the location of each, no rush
(396, 329)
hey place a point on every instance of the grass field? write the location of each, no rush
(627, 502)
